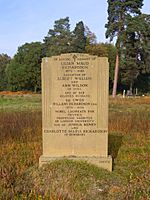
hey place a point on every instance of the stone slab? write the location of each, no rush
(102, 162)
(75, 106)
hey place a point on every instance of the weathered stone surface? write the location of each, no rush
(75, 108)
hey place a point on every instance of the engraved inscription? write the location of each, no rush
(74, 109)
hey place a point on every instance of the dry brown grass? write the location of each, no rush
(21, 146)
(130, 123)
(131, 100)
(20, 126)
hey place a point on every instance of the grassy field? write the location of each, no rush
(21, 146)
(13, 103)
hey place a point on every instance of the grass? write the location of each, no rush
(15, 103)
(21, 147)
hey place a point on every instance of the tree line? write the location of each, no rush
(126, 24)
(23, 71)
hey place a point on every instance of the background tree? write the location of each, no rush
(4, 60)
(104, 50)
(118, 13)
(61, 40)
(58, 39)
(90, 36)
(99, 49)
(79, 38)
(112, 51)
(136, 50)
(24, 71)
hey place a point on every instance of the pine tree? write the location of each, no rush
(118, 13)
(58, 39)
(79, 38)
(136, 50)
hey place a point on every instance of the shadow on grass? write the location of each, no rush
(114, 144)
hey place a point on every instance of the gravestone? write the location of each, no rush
(75, 109)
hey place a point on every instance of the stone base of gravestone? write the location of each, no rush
(103, 162)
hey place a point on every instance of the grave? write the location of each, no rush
(75, 109)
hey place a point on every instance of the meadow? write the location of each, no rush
(21, 147)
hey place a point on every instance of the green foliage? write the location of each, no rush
(79, 38)
(125, 22)
(58, 39)
(90, 37)
(143, 83)
(112, 51)
(104, 50)
(136, 51)
(4, 60)
(61, 40)
(97, 49)
(23, 72)
(118, 12)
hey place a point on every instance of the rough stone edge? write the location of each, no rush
(102, 162)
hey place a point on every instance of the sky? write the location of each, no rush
(24, 21)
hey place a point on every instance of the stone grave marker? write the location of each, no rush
(75, 109)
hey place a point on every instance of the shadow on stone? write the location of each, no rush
(114, 144)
